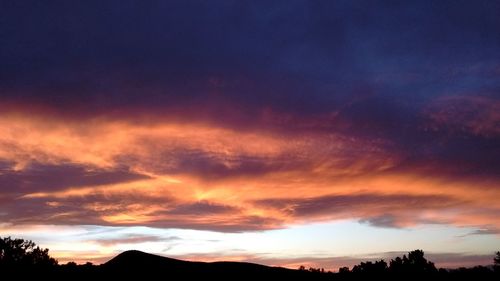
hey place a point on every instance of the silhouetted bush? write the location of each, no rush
(23, 253)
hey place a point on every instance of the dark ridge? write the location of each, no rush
(137, 258)
(137, 263)
(133, 261)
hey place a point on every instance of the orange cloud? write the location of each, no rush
(194, 175)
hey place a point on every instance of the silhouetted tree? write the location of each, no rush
(23, 253)
(414, 263)
(396, 265)
(317, 270)
(418, 264)
(344, 270)
(496, 262)
(370, 267)
(71, 264)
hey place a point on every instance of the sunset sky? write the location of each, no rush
(317, 133)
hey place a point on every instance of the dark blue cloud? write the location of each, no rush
(375, 66)
(291, 55)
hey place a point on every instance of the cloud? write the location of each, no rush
(136, 116)
(454, 260)
(134, 239)
(379, 210)
(138, 204)
(473, 115)
(382, 221)
(248, 116)
(484, 231)
(194, 175)
(39, 177)
(202, 208)
(305, 65)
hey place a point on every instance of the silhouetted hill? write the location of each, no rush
(134, 258)
(137, 263)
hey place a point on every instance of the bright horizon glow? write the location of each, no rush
(310, 244)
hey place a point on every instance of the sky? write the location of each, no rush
(317, 133)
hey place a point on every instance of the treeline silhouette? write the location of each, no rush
(23, 259)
